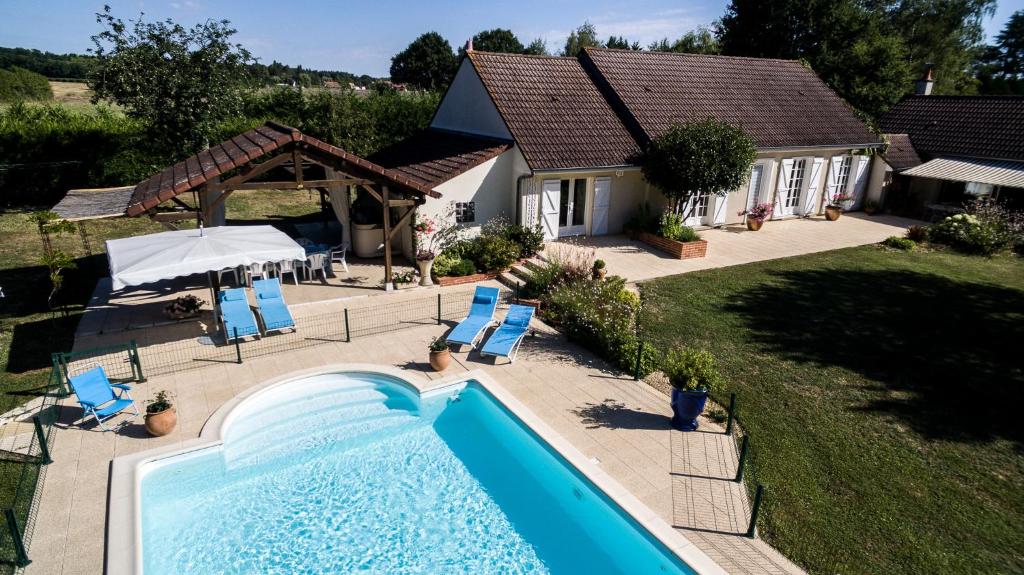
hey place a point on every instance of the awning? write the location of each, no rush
(92, 204)
(146, 259)
(994, 172)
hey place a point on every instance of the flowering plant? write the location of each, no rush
(434, 236)
(837, 199)
(759, 212)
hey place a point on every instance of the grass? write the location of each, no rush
(882, 391)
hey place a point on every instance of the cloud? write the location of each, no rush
(666, 24)
(188, 5)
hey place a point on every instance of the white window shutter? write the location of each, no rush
(755, 184)
(550, 195)
(832, 185)
(785, 172)
(858, 180)
(602, 204)
(813, 186)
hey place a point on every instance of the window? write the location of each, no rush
(795, 184)
(465, 212)
(700, 206)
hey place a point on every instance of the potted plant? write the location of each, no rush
(403, 279)
(871, 207)
(835, 205)
(599, 270)
(757, 215)
(184, 307)
(161, 416)
(440, 354)
(693, 375)
(432, 238)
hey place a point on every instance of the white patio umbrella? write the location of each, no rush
(146, 259)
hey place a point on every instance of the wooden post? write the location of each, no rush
(387, 237)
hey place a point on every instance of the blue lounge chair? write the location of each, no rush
(97, 397)
(505, 340)
(273, 311)
(481, 316)
(235, 314)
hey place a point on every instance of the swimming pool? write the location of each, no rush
(357, 473)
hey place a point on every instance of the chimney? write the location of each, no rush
(469, 45)
(924, 85)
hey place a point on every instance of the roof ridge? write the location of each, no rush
(472, 53)
(689, 54)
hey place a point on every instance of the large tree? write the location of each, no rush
(428, 63)
(498, 40)
(1001, 68)
(706, 157)
(180, 82)
(583, 37)
(699, 41)
(537, 48)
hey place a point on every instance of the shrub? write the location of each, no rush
(899, 243)
(599, 265)
(495, 252)
(601, 316)
(463, 268)
(691, 370)
(530, 240)
(20, 84)
(672, 227)
(542, 278)
(917, 233)
(575, 262)
(985, 229)
(444, 263)
(642, 220)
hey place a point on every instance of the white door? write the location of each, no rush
(813, 187)
(602, 203)
(549, 208)
(697, 209)
(572, 207)
(858, 181)
(791, 181)
(720, 203)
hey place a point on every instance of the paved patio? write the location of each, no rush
(620, 423)
(734, 245)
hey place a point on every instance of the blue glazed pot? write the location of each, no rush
(686, 406)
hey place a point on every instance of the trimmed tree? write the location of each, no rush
(706, 157)
(428, 63)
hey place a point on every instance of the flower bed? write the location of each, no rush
(445, 281)
(676, 249)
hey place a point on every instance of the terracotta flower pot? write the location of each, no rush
(754, 225)
(832, 213)
(599, 274)
(161, 423)
(439, 360)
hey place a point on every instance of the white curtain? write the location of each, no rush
(339, 203)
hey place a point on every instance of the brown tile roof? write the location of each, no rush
(432, 157)
(971, 126)
(780, 103)
(196, 170)
(900, 153)
(558, 117)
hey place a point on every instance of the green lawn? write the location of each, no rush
(882, 391)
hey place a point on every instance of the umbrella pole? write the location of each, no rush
(214, 288)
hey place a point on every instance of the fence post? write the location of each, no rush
(238, 347)
(752, 528)
(348, 334)
(438, 308)
(732, 411)
(62, 390)
(133, 353)
(743, 459)
(639, 358)
(517, 291)
(44, 450)
(19, 545)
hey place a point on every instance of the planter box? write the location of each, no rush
(459, 280)
(534, 303)
(681, 250)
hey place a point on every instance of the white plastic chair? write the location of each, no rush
(288, 267)
(232, 271)
(317, 262)
(258, 271)
(338, 255)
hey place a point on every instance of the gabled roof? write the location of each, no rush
(558, 116)
(432, 157)
(194, 171)
(900, 153)
(969, 126)
(780, 103)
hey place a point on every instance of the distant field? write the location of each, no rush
(70, 92)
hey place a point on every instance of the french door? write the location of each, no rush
(791, 186)
(697, 210)
(572, 207)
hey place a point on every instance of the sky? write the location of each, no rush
(362, 36)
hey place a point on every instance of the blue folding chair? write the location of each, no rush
(235, 315)
(273, 311)
(481, 316)
(505, 340)
(97, 397)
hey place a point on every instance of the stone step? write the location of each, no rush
(510, 280)
(522, 271)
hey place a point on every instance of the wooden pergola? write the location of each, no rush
(275, 156)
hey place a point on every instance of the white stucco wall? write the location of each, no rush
(467, 107)
(490, 186)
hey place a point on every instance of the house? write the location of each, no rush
(554, 140)
(945, 150)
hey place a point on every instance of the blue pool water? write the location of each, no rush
(348, 473)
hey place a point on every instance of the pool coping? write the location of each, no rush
(124, 533)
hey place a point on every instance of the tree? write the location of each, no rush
(699, 41)
(706, 157)
(1000, 70)
(621, 43)
(583, 37)
(538, 47)
(20, 84)
(179, 82)
(428, 63)
(498, 40)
